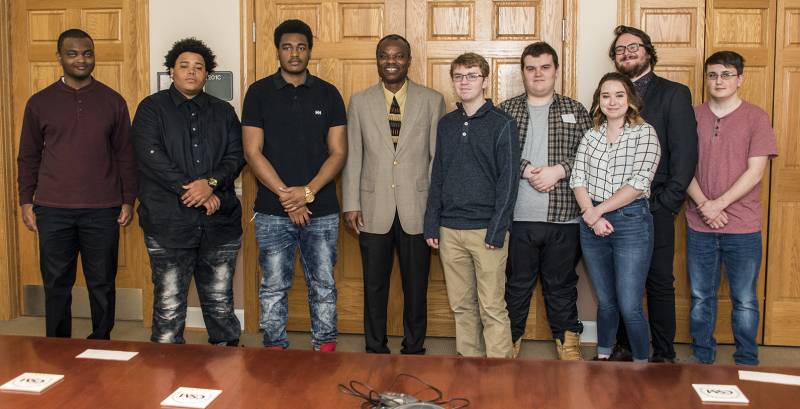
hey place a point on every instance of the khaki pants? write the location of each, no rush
(476, 283)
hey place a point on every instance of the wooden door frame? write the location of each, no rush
(9, 302)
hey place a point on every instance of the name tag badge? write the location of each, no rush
(568, 118)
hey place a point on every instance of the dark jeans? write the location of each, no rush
(741, 255)
(617, 265)
(377, 257)
(63, 233)
(551, 250)
(212, 268)
(660, 289)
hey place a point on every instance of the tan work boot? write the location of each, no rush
(570, 349)
(515, 348)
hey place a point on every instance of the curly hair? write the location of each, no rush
(190, 45)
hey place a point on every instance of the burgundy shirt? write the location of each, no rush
(724, 145)
(75, 149)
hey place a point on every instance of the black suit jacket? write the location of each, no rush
(668, 108)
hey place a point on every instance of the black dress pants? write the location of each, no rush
(63, 234)
(660, 289)
(377, 256)
(551, 251)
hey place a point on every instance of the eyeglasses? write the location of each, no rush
(633, 47)
(725, 75)
(468, 77)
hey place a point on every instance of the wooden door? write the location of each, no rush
(346, 34)
(782, 321)
(119, 30)
(677, 29)
(746, 27)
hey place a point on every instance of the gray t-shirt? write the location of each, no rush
(531, 204)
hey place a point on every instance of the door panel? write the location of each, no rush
(782, 321)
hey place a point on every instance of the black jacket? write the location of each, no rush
(169, 156)
(668, 108)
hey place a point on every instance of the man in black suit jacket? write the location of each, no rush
(668, 108)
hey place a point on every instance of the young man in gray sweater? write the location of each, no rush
(470, 202)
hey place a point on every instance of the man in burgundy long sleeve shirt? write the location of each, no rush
(77, 184)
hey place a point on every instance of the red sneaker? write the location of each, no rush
(327, 347)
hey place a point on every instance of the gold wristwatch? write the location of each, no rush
(309, 194)
(213, 183)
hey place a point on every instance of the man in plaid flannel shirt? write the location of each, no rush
(544, 236)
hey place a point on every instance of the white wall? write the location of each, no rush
(214, 22)
(596, 22)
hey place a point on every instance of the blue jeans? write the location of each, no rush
(741, 254)
(617, 265)
(278, 239)
(212, 268)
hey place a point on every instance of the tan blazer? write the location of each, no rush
(379, 180)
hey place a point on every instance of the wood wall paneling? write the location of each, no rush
(782, 321)
(9, 305)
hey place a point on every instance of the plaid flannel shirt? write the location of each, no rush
(562, 144)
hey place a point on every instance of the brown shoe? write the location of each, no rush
(570, 349)
(515, 348)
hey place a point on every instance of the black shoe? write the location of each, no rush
(621, 354)
(661, 360)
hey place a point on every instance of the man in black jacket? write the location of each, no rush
(189, 150)
(668, 108)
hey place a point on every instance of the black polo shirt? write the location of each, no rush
(295, 121)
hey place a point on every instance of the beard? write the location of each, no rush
(633, 71)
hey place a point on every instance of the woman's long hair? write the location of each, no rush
(632, 116)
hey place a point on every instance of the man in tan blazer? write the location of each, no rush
(392, 137)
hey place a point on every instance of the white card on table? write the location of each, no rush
(568, 118)
(720, 393)
(31, 382)
(769, 377)
(107, 355)
(184, 397)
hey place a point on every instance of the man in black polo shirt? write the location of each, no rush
(295, 143)
(189, 150)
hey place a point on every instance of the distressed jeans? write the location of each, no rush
(212, 268)
(278, 240)
(741, 255)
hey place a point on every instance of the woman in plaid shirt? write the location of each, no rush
(614, 165)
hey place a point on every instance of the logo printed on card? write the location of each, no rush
(29, 381)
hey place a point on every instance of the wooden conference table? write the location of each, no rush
(257, 378)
